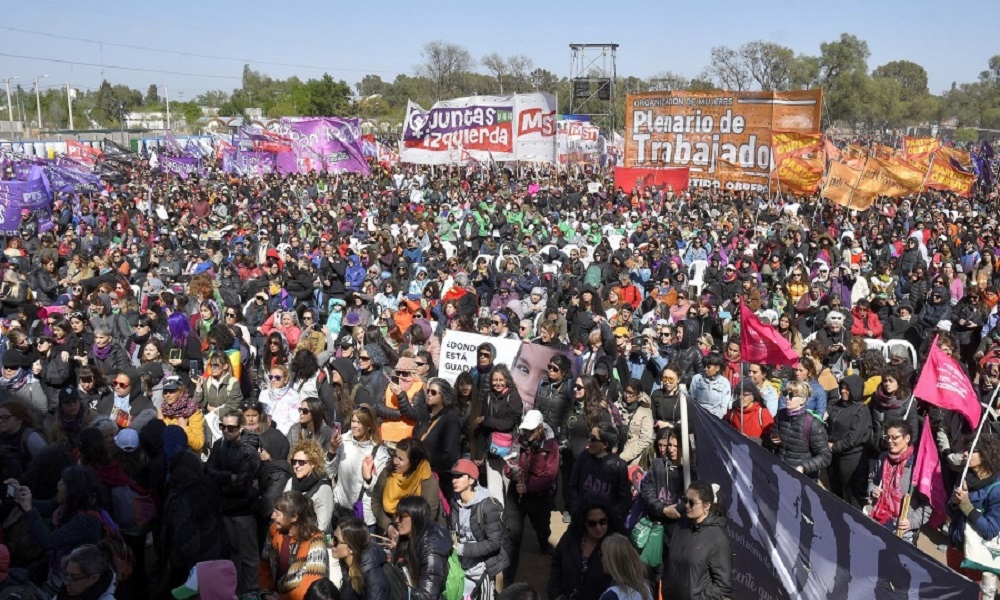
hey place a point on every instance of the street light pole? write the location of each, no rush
(69, 101)
(10, 107)
(166, 92)
(38, 102)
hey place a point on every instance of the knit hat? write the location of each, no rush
(425, 325)
(377, 354)
(406, 363)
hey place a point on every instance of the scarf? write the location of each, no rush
(399, 486)
(888, 402)
(19, 380)
(305, 484)
(102, 353)
(184, 406)
(889, 503)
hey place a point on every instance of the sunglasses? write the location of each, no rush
(433, 392)
(484, 355)
(554, 369)
(276, 377)
(579, 387)
(121, 384)
(304, 411)
(229, 427)
(598, 523)
(364, 358)
(691, 502)
(86, 380)
(231, 315)
(421, 364)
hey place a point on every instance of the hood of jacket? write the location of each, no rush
(275, 443)
(481, 494)
(856, 387)
(348, 373)
(373, 558)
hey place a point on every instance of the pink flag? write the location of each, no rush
(944, 384)
(762, 344)
(927, 477)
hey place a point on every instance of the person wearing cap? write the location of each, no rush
(477, 526)
(72, 417)
(534, 469)
(178, 408)
(396, 408)
(18, 383)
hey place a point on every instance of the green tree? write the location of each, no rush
(911, 77)
(325, 97)
(966, 135)
(152, 95)
(843, 75)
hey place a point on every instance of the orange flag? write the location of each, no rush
(942, 176)
(883, 178)
(799, 176)
(785, 144)
(919, 147)
(883, 152)
(841, 180)
(729, 170)
(855, 156)
(960, 157)
(832, 151)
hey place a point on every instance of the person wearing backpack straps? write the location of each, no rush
(74, 514)
(476, 525)
(421, 549)
(798, 437)
(889, 483)
(355, 460)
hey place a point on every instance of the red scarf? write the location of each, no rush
(890, 501)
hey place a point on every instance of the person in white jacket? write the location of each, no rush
(355, 460)
(309, 478)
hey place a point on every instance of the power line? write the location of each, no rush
(190, 54)
(120, 68)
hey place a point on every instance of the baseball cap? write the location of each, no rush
(127, 439)
(464, 466)
(621, 331)
(531, 420)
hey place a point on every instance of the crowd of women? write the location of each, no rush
(249, 386)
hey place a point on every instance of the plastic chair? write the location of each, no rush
(449, 249)
(889, 345)
(874, 344)
(696, 275)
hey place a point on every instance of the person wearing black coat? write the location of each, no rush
(798, 437)
(599, 476)
(191, 530)
(351, 540)
(423, 547)
(272, 476)
(554, 396)
(700, 565)
(891, 400)
(577, 571)
(662, 490)
(850, 428)
(501, 414)
(439, 427)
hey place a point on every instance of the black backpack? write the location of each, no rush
(398, 587)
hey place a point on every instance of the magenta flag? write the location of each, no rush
(927, 478)
(943, 383)
(762, 344)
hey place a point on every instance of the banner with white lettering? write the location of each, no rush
(527, 361)
(485, 128)
(792, 539)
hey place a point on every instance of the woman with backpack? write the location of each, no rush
(420, 549)
(360, 560)
(476, 523)
(74, 515)
(798, 437)
(309, 479)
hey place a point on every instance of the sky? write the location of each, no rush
(349, 39)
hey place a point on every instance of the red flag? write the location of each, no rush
(927, 477)
(762, 344)
(944, 384)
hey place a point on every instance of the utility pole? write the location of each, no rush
(166, 91)
(38, 102)
(69, 101)
(10, 107)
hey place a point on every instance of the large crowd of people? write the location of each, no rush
(229, 385)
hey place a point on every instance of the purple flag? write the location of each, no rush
(33, 195)
(193, 150)
(287, 163)
(334, 141)
(180, 166)
(170, 144)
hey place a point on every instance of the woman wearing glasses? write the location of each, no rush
(440, 428)
(700, 565)
(360, 560)
(312, 424)
(892, 400)
(421, 547)
(577, 571)
(281, 400)
(218, 391)
(889, 482)
(797, 436)
(309, 479)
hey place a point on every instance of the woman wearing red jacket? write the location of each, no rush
(756, 420)
(532, 471)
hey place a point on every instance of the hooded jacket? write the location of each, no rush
(537, 464)
(756, 420)
(479, 528)
(811, 452)
(863, 324)
(192, 516)
(601, 479)
(376, 584)
(554, 401)
(850, 422)
(701, 561)
(273, 474)
(639, 417)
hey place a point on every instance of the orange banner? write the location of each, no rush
(947, 178)
(881, 178)
(697, 129)
(855, 156)
(792, 143)
(841, 180)
(960, 157)
(919, 147)
(799, 176)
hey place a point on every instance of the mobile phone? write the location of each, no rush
(12, 491)
(336, 428)
(175, 354)
(394, 379)
(194, 367)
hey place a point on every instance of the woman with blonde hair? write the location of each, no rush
(621, 561)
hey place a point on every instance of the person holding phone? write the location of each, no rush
(355, 459)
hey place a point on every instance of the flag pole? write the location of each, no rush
(685, 441)
(979, 431)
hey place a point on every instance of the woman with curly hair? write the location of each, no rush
(309, 478)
